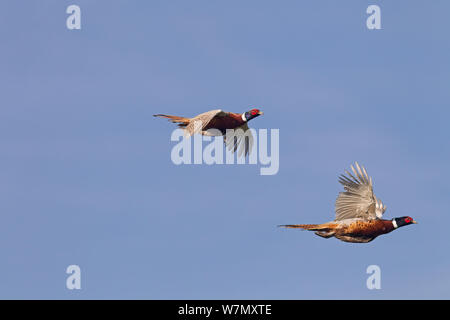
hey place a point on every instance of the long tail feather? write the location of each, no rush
(328, 226)
(175, 119)
(311, 227)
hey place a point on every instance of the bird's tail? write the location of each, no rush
(325, 230)
(182, 122)
(310, 227)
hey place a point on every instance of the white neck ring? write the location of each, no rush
(394, 223)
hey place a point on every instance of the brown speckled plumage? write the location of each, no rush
(358, 212)
(216, 123)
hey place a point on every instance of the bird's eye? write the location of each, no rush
(254, 112)
(408, 220)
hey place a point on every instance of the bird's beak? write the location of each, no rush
(414, 221)
(260, 113)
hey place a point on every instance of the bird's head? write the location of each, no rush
(402, 221)
(249, 115)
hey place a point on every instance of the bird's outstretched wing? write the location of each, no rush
(241, 138)
(358, 200)
(198, 123)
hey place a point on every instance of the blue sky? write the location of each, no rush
(86, 176)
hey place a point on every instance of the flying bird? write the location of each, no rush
(221, 121)
(358, 212)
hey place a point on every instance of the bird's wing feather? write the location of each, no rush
(358, 200)
(242, 138)
(198, 123)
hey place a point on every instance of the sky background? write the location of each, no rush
(85, 170)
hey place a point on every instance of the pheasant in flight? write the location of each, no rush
(358, 212)
(221, 121)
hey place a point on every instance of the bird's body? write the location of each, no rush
(350, 230)
(218, 122)
(230, 121)
(358, 212)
